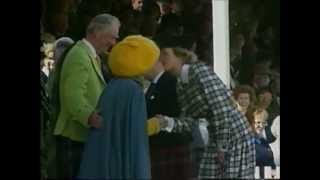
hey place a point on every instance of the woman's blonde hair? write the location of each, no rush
(263, 114)
(188, 57)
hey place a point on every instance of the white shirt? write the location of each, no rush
(185, 73)
(46, 71)
(156, 79)
(93, 51)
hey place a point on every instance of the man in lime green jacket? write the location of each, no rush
(81, 84)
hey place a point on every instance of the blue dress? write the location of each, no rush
(120, 150)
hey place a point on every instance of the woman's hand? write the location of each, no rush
(221, 157)
(162, 121)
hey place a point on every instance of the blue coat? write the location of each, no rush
(119, 150)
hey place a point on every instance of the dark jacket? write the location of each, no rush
(161, 98)
(270, 137)
(264, 154)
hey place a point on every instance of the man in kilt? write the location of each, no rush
(170, 152)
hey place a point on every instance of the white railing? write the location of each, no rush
(267, 173)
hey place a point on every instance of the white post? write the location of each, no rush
(220, 16)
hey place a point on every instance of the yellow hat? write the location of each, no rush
(133, 56)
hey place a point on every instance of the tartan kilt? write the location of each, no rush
(171, 163)
(68, 158)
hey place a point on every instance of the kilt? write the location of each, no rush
(196, 157)
(69, 154)
(171, 163)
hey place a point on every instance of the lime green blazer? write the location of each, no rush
(81, 84)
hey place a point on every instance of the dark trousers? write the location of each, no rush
(69, 154)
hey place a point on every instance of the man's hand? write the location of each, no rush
(95, 120)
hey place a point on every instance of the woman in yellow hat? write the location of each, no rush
(120, 149)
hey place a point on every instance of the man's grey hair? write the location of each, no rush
(60, 46)
(102, 23)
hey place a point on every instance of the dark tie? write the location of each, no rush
(150, 90)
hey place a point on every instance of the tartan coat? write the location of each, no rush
(205, 96)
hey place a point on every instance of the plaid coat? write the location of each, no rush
(205, 96)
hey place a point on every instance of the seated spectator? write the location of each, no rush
(204, 32)
(43, 76)
(151, 17)
(204, 49)
(236, 45)
(250, 28)
(245, 98)
(264, 58)
(267, 39)
(131, 18)
(47, 37)
(137, 4)
(86, 10)
(165, 7)
(248, 60)
(191, 17)
(57, 16)
(176, 6)
(275, 83)
(264, 154)
(171, 23)
(261, 78)
(264, 99)
(275, 89)
(48, 60)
